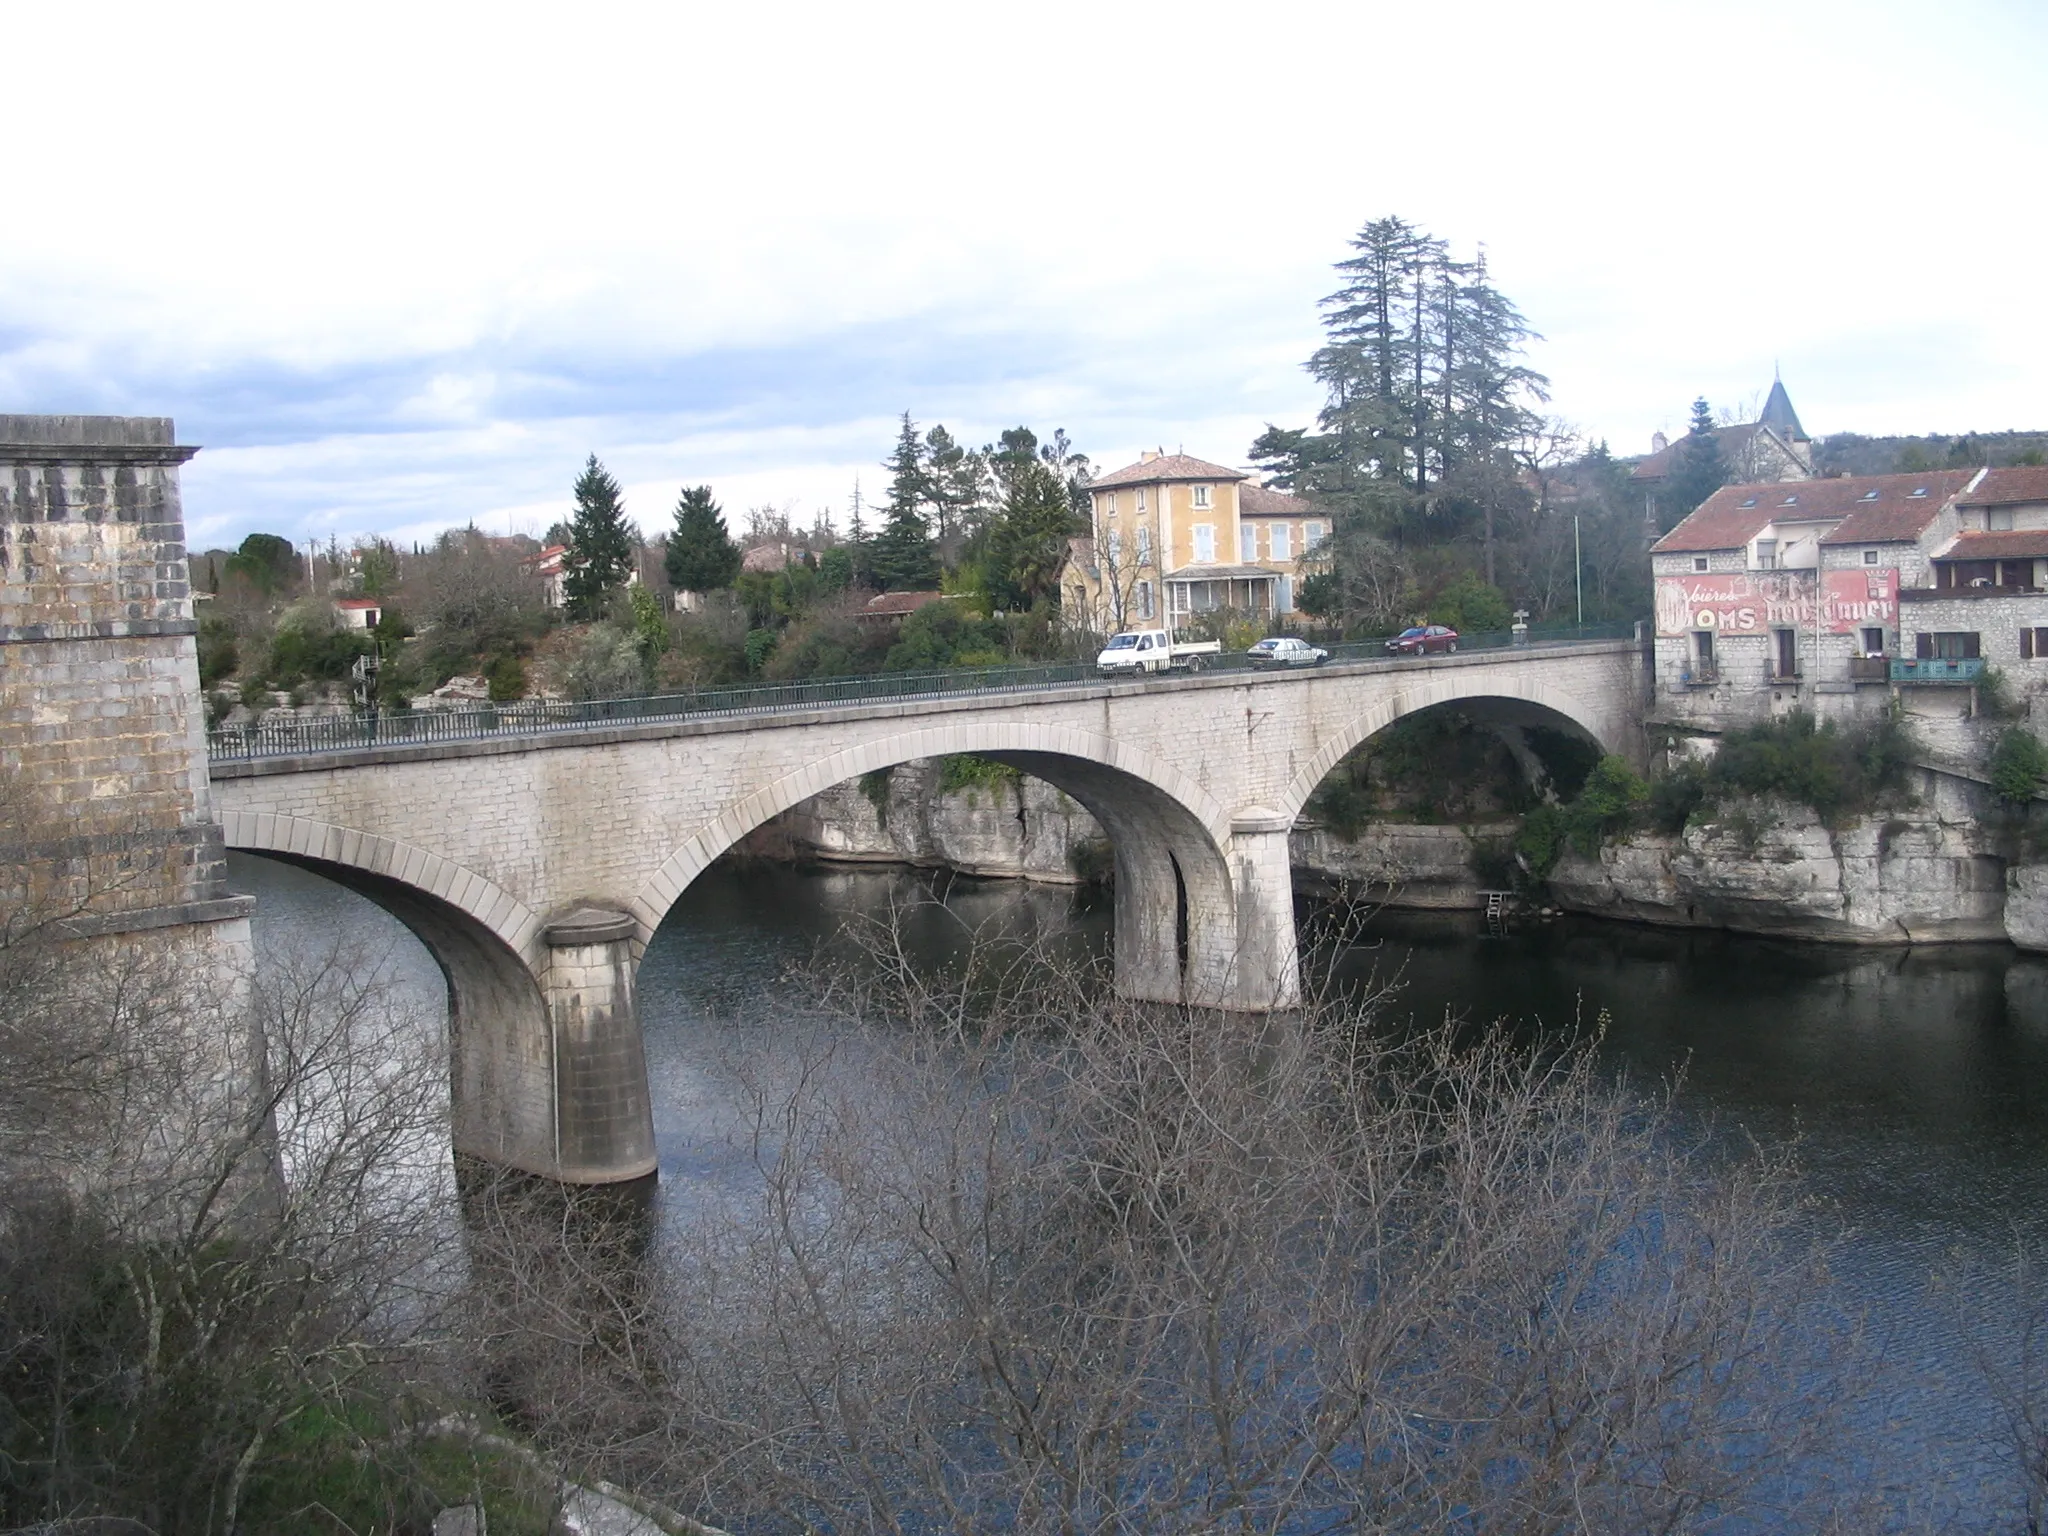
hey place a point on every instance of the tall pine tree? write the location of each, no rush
(1699, 468)
(901, 555)
(601, 541)
(701, 555)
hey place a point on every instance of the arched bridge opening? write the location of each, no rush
(1177, 915)
(1423, 807)
(538, 1082)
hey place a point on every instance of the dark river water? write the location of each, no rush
(1914, 1083)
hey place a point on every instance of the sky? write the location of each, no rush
(400, 267)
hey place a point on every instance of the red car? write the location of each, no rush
(1421, 639)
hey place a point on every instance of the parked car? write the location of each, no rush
(1286, 651)
(1421, 639)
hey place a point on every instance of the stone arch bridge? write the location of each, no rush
(536, 868)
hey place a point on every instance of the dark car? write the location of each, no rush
(1421, 639)
(1286, 651)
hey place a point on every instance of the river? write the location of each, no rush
(1914, 1082)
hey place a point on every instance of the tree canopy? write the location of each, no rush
(701, 556)
(602, 543)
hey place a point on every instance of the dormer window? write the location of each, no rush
(1201, 498)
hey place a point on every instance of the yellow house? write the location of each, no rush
(1179, 536)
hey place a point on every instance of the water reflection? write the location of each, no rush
(1913, 1081)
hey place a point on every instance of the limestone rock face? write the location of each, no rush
(1013, 828)
(1401, 864)
(2026, 906)
(1926, 876)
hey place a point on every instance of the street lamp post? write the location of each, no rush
(1578, 570)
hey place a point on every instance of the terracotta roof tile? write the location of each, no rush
(1871, 508)
(2016, 545)
(1658, 465)
(1168, 466)
(1259, 501)
(889, 605)
(2017, 482)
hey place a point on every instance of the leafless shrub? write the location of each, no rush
(222, 1216)
(1026, 1257)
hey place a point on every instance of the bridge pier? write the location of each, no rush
(604, 1116)
(1268, 969)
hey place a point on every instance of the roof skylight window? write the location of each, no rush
(1751, 502)
(1868, 496)
(1921, 491)
(1789, 501)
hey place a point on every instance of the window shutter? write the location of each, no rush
(2026, 645)
(1970, 651)
(1923, 646)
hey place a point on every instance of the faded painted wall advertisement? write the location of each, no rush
(1756, 602)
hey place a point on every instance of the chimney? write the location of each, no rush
(1659, 442)
(1149, 454)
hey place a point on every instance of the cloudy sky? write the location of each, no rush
(402, 266)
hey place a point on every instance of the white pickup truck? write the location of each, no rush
(1153, 650)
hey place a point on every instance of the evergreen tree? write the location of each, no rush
(267, 562)
(701, 555)
(859, 547)
(901, 555)
(1699, 468)
(600, 541)
(1027, 545)
(956, 479)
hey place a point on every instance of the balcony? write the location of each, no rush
(1783, 675)
(1938, 669)
(1870, 669)
(1700, 674)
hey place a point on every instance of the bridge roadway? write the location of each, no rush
(536, 867)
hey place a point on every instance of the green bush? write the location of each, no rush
(1613, 796)
(506, 678)
(1675, 797)
(308, 651)
(1994, 695)
(219, 655)
(2019, 766)
(875, 786)
(1839, 773)
(965, 771)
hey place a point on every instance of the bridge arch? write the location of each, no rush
(504, 1054)
(1528, 696)
(1176, 922)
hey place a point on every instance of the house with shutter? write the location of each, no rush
(1838, 596)
(1175, 538)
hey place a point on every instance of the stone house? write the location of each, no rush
(1175, 537)
(358, 612)
(1837, 596)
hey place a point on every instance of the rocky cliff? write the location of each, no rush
(1941, 872)
(1003, 825)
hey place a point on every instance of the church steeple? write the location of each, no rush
(1780, 417)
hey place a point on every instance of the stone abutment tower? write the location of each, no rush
(107, 831)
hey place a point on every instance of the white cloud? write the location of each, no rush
(412, 262)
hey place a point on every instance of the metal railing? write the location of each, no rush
(1938, 669)
(300, 736)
